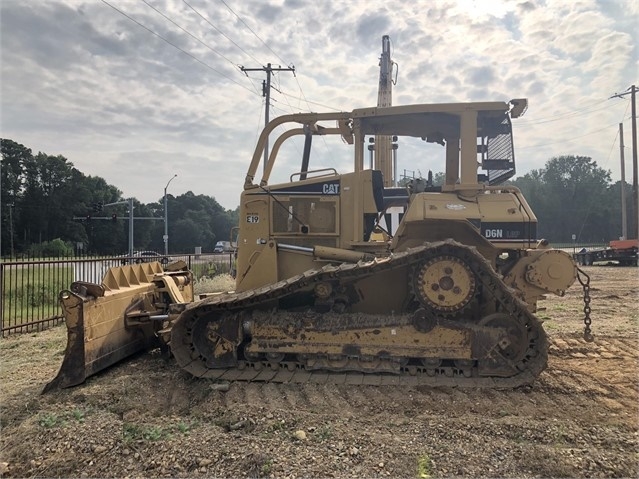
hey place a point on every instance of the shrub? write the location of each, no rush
(55, 248)
(218, 283)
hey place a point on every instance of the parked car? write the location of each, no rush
(145, 257)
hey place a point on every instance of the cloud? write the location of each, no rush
(84, 81)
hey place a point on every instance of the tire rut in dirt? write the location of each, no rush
(235, 395)
(293, 397)
(254, 395)
(563, 390)
(323, 398)
(606, 347)
(274, 397)
(625, 346)
(355, 397)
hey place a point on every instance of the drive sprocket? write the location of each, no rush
(444, 284)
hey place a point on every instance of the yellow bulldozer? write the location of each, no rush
(331, 288)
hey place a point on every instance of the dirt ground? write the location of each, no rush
(146, 418)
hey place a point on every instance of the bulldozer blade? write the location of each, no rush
(98, 332)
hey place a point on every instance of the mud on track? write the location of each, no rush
(147, 418)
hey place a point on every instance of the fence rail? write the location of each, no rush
(30, 288)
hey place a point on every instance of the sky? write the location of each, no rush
(139, 91)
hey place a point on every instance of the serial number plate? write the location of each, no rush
(252, 218)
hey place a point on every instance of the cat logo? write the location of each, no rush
(391, 220)
(330, 189)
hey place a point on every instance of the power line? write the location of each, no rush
(279, 90)
(616, 136)
(209, 47)
(220, 31)
(568, 140)
(257, 130)
(563, 116)
(175, 46)
(189, 33)
(266, 92)
(303, 95)
(590, 207)
(313, 102)
(267, 46)
(251, 30)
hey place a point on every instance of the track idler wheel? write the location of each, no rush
(444, 284)
(213, 340)
(514, 346)
(512, 349)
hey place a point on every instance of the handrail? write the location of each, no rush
(314, 171)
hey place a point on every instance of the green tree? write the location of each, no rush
(46, 201)
(189, 235)
(568, 197)
(46, 180)
(14, 157)
(194, 220)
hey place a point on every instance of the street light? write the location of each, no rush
(166, 219)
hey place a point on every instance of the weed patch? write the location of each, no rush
(324, 433)
(424, 466)
(50, 420)
(134, 433)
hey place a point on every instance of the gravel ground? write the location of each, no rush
(146, 418)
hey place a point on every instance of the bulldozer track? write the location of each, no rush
(211, 309)
(569, 383)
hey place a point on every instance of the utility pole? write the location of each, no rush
(130, 201)
(635, 187)
(266, 92)
(11, 228)
(624, 220)
(166, 218)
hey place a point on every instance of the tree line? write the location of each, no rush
(46, 202)
(572, 195)
(48, 205)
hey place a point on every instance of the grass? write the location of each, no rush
(424, 466)
(50, 420)
(324, 433)
(185, 427)
(30, 292)
(550, 325)
(134, 432)
(209, 269)
(267, 466)
(78, 415)
(218, 283)
(259, 465)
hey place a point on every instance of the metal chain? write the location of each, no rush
(588, 337)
